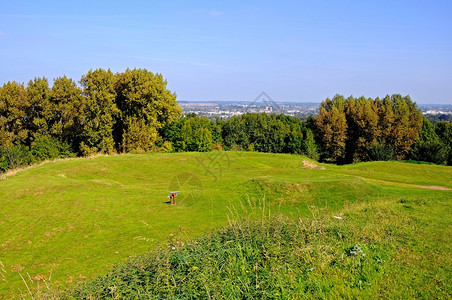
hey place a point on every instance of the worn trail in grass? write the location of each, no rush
(75, 218)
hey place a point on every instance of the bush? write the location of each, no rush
(48, 148)
(431, 151)
(382, 152)
(444, 132)
(42, 148)
(429, 147)
(218, 147)
(86, 150)
(202, 140)
(139, 137)
(14, 157)
(166, 147)
(309, 146)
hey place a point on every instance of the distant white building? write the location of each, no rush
(437, 112)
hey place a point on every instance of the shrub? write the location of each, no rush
(202, 140)
(139, 136)
(85, 150)
(431, 151)
(166, 147)
(382, 152)
(14, 157)
(309, 146)
(48, 148)
(429, 147)
(218, 147)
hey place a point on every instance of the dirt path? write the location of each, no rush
(433, 187)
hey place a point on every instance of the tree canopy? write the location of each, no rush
(107, 112)
(352, 129)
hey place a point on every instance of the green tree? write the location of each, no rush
(386, 118)
(444, 133)
(166, 147)
(294, 141)
(234, 133)
(183, 132)
(363, 130)
(145, 104)
(45, 147)
(187, 136)
(276, 134)
(68, 107)
(14, 156)
(332, 128)
(203, 140)
(99, 91)
(172, 133)
(382, 152)
(38, 111)
(309, 145)
(384, 149)
(428, 147)
(139, 136)
(406, 126)
(13, 106)
(263, 133)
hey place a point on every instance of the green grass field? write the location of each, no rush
(69, 220)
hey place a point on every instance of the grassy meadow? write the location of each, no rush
(71, 220)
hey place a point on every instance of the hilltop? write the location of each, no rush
(69, 220)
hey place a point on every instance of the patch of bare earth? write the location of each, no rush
(434, 187)
(310, 165)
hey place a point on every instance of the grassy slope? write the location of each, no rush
(78, 217)
(373, 251)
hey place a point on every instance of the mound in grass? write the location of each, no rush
(369, 251)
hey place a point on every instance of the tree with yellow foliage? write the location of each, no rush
(332, 128)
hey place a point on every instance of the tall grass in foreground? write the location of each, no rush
(366, 251)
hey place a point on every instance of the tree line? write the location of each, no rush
(106, 113)
(249, 132)
(393, 128)
(133, 111)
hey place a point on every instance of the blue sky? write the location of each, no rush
(300, 51)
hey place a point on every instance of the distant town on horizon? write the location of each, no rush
(227, 109)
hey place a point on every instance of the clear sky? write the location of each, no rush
(301, 51)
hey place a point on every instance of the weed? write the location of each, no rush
(355, 251)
